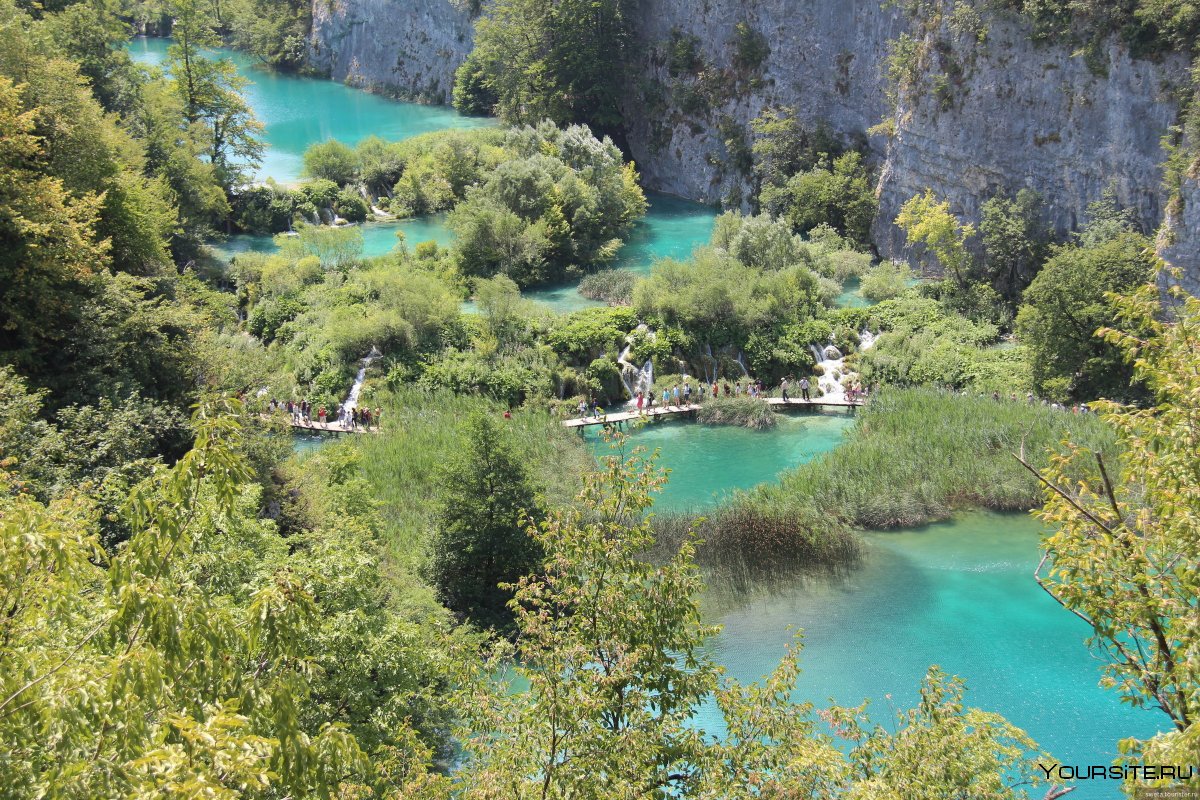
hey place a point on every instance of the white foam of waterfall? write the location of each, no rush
(359, 380)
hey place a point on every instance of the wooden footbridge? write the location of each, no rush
(778, 403)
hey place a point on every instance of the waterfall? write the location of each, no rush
(818, 356)
(645, 380)
(626, 369)
(359, 379)
(742, 364)
(325, 216)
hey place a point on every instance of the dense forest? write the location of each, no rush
(461, 601)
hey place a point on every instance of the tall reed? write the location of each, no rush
(919, 455)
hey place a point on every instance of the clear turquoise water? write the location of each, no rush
(299, 112)
(851, 297)
(709, 462)
(958, 594)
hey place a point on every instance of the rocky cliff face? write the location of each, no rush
(1180, 242)
(406, 48)
(989, 113)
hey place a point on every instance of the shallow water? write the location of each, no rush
(709, 462)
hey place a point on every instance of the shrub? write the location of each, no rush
(332, 161)
(351, 206)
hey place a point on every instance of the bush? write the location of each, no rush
(350, 206)
(322, 193)
(612, 286)
(886, 280)
(332, 161)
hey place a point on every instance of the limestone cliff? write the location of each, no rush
(992, 110)
(406, 48)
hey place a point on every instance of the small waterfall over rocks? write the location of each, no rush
(359, 379)
(833, 365)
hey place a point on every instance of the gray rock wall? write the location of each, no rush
(1180, 243)
(1015, 114)
(406, 48)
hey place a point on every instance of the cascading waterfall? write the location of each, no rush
(645, 379)
(833, 366)
(357, 387)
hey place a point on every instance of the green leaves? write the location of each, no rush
(1127, 535)
(132, 676)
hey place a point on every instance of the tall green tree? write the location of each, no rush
(211, 91)
(928, 222)
(127, 675)
(480, 542)
(1126, 535)
(564, 61)
(50, 253)
(1064, 307)
(1015, 242)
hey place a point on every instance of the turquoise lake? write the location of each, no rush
(298, 112)
(958, 594)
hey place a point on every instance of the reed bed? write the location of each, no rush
(745, 412)
(919, 455)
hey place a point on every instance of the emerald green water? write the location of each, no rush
(299, 112)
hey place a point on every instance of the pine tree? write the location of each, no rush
(481, 540)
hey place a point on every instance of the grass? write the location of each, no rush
(422, 429)
(919, 455)
(745, 412)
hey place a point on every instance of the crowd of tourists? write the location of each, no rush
(345, 417)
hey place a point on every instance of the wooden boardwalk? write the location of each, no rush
(659, 411)
(317, 427)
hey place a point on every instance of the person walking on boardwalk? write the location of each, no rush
(666, 398)
(641, 399)
(582, 408)
(675, 395)
(804, 386)
(783, 389)
(687, 393)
